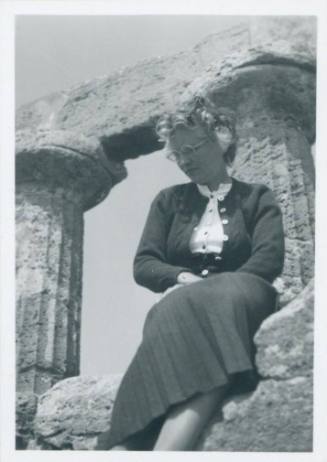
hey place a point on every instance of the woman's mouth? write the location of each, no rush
(190, 170)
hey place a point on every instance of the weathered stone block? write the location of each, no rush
(75, 411)
(26, 406)
(285, 340)
(66, 159)
(276, 418)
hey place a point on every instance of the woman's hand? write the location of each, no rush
(185, 278)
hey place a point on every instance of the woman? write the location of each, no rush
(213, 247)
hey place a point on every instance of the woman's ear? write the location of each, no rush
(224, 136)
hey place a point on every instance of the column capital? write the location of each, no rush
(274, 80)
(69, 160)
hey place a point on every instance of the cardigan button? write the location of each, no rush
(224, 221)
(220, 198)
(223, 209)
(225, 237)
(204, 273)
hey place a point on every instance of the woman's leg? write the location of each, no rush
(185, 421)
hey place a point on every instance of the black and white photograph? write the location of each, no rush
(163, 287)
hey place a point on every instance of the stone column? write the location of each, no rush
(59, 176)
(49, 231)
(279, 155)
(272, 97)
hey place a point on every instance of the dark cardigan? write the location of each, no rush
(254, 234)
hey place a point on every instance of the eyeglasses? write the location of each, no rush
(186, 151)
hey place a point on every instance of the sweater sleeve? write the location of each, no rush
(151, 268)
(267, 255)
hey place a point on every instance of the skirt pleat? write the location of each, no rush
(196, 338)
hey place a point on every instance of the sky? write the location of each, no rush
(54, 53)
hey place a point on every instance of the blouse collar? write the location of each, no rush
(221, 192)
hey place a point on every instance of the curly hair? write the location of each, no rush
(201, 112)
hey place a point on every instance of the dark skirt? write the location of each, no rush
(197, 338)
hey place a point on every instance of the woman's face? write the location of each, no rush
(197, 155)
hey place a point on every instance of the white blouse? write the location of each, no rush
(208, 236)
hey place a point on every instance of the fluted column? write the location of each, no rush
(59, 175)
(279, 155)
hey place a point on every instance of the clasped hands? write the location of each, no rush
(185, 278)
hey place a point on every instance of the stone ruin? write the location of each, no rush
(70, 151)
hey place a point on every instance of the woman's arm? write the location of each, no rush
(267, 256)
(151, 268)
